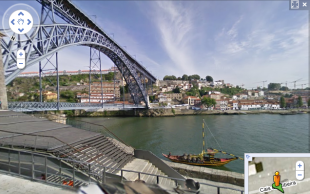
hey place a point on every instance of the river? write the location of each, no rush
(235, 134)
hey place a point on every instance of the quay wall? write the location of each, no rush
(176, 112)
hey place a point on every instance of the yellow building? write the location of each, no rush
(49, 95)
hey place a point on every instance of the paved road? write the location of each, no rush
(287, 170)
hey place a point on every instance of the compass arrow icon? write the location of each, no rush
(29, 22)
(13, 21)
(20, 29)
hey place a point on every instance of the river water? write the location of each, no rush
(235, 134)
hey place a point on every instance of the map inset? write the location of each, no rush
(279, 175)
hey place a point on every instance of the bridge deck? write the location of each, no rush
(20, 129)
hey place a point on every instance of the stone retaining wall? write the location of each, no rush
(208, 173)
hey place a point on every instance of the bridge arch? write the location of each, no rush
(55, 37)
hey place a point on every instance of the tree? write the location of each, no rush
(282, 102)
(195, 76)
(193, 91)
(299, 101)
(208, 101)
(209, 78)
(170, 77)
(185, 77)
(151, 98)
(176, 90)
(274, 86)
(284, 88)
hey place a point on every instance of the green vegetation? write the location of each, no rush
(173, 111)
(193, 91)
(184, 77)
(69, 113)
(282, 102)
(195, 76)
(208, 101)
(170, 77)
(125, 90)
(151, 98)
(299, 101)
(68, 95)
(176, 90)
(30, 85)
(288, 95)
(209, 78)
(274, 86)
(284, 88)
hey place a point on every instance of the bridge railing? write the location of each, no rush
(41, 106)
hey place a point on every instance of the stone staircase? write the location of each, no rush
(98, 151)
(145, 166)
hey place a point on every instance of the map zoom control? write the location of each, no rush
(21, 62)
(300, 170)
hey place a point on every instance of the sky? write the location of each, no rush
(241, 42)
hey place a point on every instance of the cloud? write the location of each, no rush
(233, 32)
(174, 23)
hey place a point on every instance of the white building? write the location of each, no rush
(242, 96)
(261, 93)
(98, 98)
(235, 105)
(163, 98)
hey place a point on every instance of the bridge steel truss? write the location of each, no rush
(45, 106)
(79, 30)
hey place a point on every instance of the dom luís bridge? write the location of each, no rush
(49, 37)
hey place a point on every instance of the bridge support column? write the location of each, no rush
(3, 94)
(95, 72)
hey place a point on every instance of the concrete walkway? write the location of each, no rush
(15, 185)
(210, 189)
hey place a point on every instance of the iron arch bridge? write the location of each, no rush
(79, 30)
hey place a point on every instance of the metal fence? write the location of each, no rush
(57, 171)
(33, 165)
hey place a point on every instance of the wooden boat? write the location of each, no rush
(205, 158)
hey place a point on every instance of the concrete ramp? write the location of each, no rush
(145, 166)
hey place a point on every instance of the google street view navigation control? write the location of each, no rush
(276, 173)
(299, 4)
(20, 23)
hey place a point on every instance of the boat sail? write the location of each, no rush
(205, 158)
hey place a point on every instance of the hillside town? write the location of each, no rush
(179, 93)
(186, 92)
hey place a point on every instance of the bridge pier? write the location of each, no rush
(3, 94)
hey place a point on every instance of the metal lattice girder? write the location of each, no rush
(70, 35)
(71, 14)
(42, 106)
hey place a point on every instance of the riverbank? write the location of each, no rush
(170, 112)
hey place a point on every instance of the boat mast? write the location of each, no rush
(203, 137)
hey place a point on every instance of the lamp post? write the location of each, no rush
(3, 94)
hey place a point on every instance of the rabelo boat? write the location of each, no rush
(205, 158)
